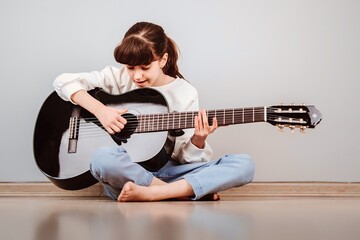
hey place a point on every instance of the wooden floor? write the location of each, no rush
(255, 218)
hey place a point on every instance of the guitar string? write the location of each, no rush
(177, 117)
(228, 120)
(98, 132)
(171, 116)
(176, 121)
(90, 129)
(182, 114)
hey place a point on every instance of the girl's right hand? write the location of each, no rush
(111, 118)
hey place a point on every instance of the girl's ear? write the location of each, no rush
(163, 60)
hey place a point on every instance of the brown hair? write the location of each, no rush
(144, 43)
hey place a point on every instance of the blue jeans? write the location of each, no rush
(113, 167)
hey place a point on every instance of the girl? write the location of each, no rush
(148, 58)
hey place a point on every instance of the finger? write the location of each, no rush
(119, 125)
(122, 119)
(214, 126)
(202, 122)
(109, 130)
(115, 128)
(122, 111)
(204, 118)
(196, 123)
(214, 122)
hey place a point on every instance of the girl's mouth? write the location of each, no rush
(140, 83)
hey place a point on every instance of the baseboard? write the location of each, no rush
(45, 189)
(255, 189)
(295, 189)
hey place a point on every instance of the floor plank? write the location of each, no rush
(252, 218)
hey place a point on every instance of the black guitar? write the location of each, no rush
(66, 135)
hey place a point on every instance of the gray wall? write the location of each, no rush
(237, 54)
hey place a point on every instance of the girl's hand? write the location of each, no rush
(202, 129)
(111, 118)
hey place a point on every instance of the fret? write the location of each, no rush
(233, 120)
(229, 119)
(248, 115)
(220, 116)
(148, 124)
(152, 122)
(265, 114)
(168, 117)
(162, 122)
(172, 121)
(181, 120)
(224, 122)
(185, 119)
(253, 114)
(210, 115)
(157, 123)
(260, 114)
(156, 128)
(243, 115)
(173, 115)
(192, 119)
(140, 123)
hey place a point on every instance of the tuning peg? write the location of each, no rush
(302, 129)
(281, 127)
(292, 128)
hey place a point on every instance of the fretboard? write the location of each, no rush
(184, 120)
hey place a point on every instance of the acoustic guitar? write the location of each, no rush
(66, 135)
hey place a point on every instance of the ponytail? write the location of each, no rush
(171, 67)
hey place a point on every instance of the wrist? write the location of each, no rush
(199, 142)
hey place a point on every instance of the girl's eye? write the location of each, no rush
(130, 67)
(145, 67)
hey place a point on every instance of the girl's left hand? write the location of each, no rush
(202, 129)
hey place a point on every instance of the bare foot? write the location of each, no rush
(174, 190)
(210, 197)
(132, 193)
(216, 197)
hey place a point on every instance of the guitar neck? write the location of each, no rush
(185, 120)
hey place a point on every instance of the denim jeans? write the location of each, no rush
(113, 167)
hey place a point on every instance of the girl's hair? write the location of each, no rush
(144, 43)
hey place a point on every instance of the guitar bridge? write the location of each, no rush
(73, 134)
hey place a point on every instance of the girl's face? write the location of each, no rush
(149, 75)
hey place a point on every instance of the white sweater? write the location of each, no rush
(181, 96)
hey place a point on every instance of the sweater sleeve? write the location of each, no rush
(189, 153)
(108, 79)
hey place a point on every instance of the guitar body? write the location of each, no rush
(65, 160)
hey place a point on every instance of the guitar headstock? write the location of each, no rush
(293, 116)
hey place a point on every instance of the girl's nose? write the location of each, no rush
(138, 75)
